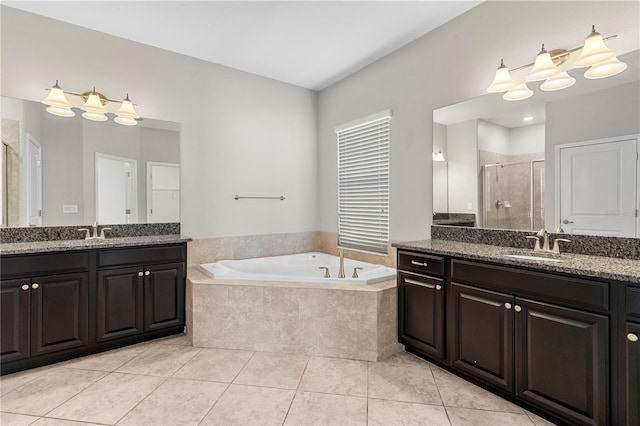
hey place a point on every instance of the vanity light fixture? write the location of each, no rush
(547, 66)
(94, 106)
(438, 156)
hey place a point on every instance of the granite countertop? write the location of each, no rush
(64, 245)
(591, 266)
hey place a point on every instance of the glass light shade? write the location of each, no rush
(94, 116)
(502, 81)
(60, 111)
(543, 68)
(518, 93)
(558, 82)
(438, 156)
(127, 110)
(94, 104)
(607, 68)
(593, 52)
(125, 121)
(56, 98)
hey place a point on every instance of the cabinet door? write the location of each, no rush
(632, 376)
(164, 296)
(59, 312)
(562, 361)
(421, 313)
(483, 334)
(120, 303)
(14, 305)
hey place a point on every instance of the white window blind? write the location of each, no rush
(363, 185)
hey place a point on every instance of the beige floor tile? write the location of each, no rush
(249, 405)
(216, 365)
(176, 402)
(13, 381)
(384, 413)
(403, 382)
(470, 417)
(160, 360)
(8, 419)
(107, 361)
(335, 375)
(273, 370)
(468, 395)
(109, 399)
(406, 358)
(47, 391)
(47, 421)
(310, 408)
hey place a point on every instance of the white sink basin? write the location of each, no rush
(528, 257)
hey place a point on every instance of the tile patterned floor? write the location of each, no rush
(168, 382)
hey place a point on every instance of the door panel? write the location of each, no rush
(483, 343)
(632, 376)
(14, 301)
(164, 296)
(563, 361)
(59, 312)
(120, 303)
(421, 313)
(598, 188)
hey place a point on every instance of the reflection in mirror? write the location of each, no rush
(55, 171)
(500, 167)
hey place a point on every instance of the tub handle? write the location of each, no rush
(355, 272)
(326, 271)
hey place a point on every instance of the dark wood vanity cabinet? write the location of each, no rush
(630, 362)
(421, 302)
(61, 305)
(541, 338)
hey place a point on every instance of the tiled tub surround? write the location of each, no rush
(577, 264)
(206, 250)
(612, 247)
(335, 320)
(64, 233)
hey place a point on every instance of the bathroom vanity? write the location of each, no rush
(557, 337)
(65, 299)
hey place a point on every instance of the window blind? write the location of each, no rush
(363, 186)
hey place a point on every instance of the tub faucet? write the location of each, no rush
(341, 270)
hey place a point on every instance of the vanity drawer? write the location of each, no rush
(141, 256)
(43, 264)
(632, 301)
(570, 291)
(421, 263)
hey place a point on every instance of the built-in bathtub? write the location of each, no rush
(284, 304)
(303, 267)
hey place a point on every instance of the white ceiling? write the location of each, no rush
(312, 44)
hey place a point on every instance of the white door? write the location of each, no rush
(163, 192)
(116, 189)
(34, 181)
(598, 187)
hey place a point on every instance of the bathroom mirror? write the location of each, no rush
(71, 171)
(499, 156)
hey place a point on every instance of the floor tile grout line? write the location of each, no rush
(243, 367)
(105, 374)
(215, 403)
(143, 399)
(295, 392)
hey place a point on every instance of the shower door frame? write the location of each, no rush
(485, 199)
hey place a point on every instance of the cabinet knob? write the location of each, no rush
(438, 287)
(140, 273)
(35, 286)
(507, 305)
(147, 273)
(517, 308)
(632, 337)
(25, 287)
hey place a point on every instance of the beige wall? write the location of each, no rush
(452, 63)
(240, 133)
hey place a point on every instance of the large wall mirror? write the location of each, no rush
(557, 159)
(71, 171)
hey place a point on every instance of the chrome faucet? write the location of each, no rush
(95, 229)
(545, 242)
(341, 270)
(92, 234)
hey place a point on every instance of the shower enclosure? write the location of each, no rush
(513, 195)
